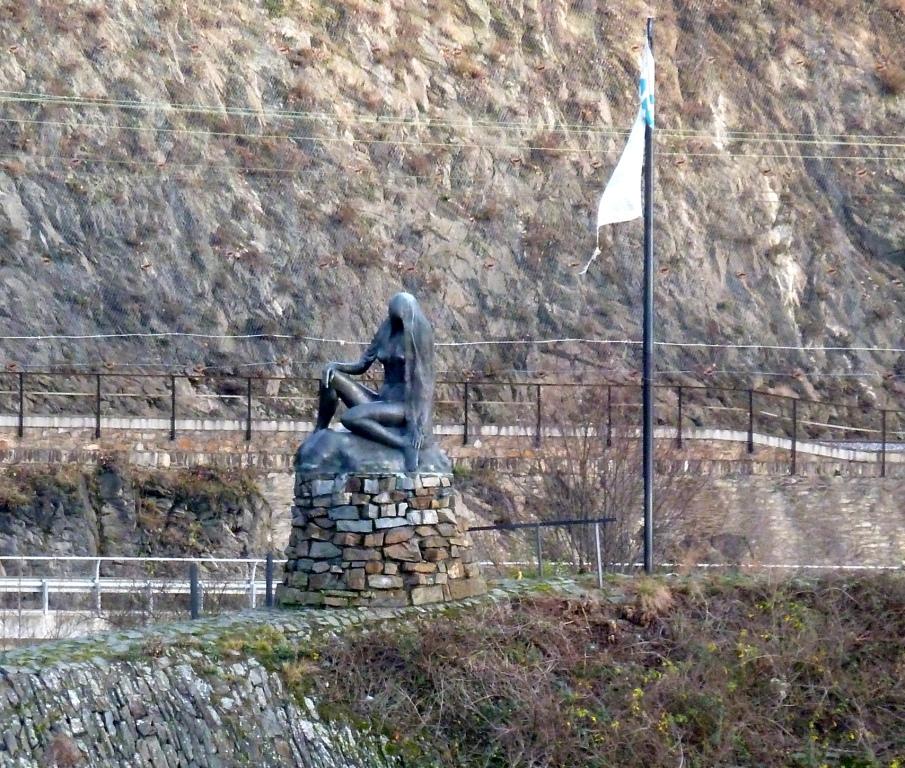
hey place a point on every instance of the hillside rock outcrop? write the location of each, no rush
(237, 168)
(109, 511)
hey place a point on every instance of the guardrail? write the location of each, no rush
(98, 585)
(42, 587)
(193, 583)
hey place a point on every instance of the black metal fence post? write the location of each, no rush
(537, 425)
(247, 409)
(679, 419)
(268, 581)
(172, 407)
(194, 591)
(465, 419)
(97, 405)
(883, 443)
(750, 421)
(609, 416)
(794, 457)
(21, 428)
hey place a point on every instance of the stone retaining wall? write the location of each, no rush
(377, 540)
(273, 450)
(816, 520)
(181, 695)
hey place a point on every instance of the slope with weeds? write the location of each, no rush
(697, 673)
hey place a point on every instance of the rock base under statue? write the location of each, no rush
(331, 452)
(377, 540)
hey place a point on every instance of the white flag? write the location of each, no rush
(621, 200)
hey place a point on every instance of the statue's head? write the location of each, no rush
(403, 307)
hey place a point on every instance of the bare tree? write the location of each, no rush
(589, 470)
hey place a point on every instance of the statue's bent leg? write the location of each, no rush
(375, 420)
(326, 406)
(342, 387)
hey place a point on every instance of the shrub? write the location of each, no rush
(466, 67)
(96, 13)
(546, 145)
(892, 79)
(274, 8)
(419, 163)
(12, 167)
(729, 671)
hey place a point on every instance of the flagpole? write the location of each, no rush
(648, 337)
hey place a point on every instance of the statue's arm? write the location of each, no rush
(366, 361)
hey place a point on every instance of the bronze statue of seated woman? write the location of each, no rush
(397, 416)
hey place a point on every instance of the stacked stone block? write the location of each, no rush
(377, 540)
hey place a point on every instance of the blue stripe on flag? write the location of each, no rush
(647, 104)
(646, 86)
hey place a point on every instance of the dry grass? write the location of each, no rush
(346, 213)
(489, 210)
(892, 78)
(361, 256)
(466, 67)
(653, 600)
(303, 92)
(63, 752)
(546, 145)
(12, 167)
(707, 672)
(95, 13)
(420, 163)
(22, 486)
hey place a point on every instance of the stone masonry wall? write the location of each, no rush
(199, 694)
(813, 520)
(377, 540)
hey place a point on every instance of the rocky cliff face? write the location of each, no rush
(110, 511)
(251, 167)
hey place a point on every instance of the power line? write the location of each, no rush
(799, 374)
(778, 347)
(385, 120)
(731, 155)
(470, 343)
(13, 367)
(455, 145)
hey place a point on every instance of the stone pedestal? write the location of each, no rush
(377, 540)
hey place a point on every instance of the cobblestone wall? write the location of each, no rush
(177, 696)
(164, 715)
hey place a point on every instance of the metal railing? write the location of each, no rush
(49, 592)
(193, 583)
(598, 524)
(582, 553)
(530, 407)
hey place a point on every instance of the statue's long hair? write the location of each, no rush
(419, 368)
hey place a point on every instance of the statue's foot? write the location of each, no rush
(410, 452)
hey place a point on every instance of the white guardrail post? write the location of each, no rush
(97, 586)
